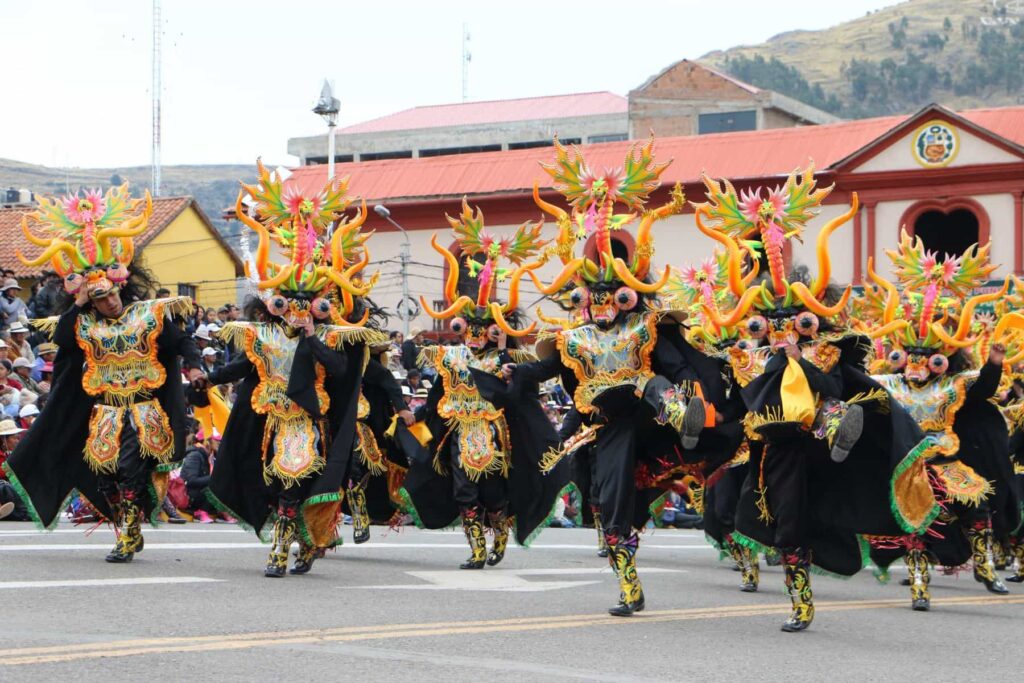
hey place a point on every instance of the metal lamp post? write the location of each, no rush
(384, 213)
(328, 107)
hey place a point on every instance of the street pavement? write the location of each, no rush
(195, 605)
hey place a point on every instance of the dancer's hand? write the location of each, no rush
(506, 371)
(194, 374)
(82, 297)
(200, 383)
(407, 417)
(307, 328)
(793, 351)
(997, 354)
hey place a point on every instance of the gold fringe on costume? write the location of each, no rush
(368, 450)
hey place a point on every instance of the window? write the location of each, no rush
(724, 122)
(445, 151)
(187, 290)
(947, 233)
(338, 159)
(613, 137)
(377, 156)
(543, 143)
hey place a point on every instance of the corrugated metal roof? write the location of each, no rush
(753, 154)
(495, 111)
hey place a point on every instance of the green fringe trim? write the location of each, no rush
(315, 500)
(723, 552)
(760, 548)
(568, 488)
(32, 512)
(748, 542)
(263, 534)
(919, 451)
(408, 508)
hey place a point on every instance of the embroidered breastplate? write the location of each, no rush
(748, 364)
(272, 351)
(120, 354)
(461, 397)
(602, 359)
(933, 406)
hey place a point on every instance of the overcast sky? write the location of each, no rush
(240, 78)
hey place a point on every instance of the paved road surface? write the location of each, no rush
(195, 605)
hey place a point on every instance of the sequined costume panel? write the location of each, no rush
(933, 405)
(606, 358)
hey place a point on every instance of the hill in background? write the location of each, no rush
(961, 53)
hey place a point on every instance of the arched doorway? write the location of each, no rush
(947, 227)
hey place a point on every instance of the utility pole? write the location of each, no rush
(406, 314)
(327, 107)
(155, 180)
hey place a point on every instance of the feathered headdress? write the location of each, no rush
(89, 240)
(772, 216)
(933, 311)
(318, 259)
(473, 240)
(592, 198)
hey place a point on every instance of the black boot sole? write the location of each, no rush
(472, 565)
(624, 610)
(1015, 579)
(748, 589)
(120, 559)
(301, 569)
(848, 433)
(493, 560)
(693, 423)
(795, 628)
(997, 588)
(274, 573)
(920, 605)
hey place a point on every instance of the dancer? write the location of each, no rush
(632, 376)
(931, 376)
(483, 465)
(115, 422)
(815, 481)
(286, 447)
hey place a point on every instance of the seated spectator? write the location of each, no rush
(407, 395)
(11, 506)
(27, 415)
(195, 472)
(202, 337)
(413, 380)
(23, 373)
(19, 346)
(44, 303)
(211, 359)
(411, 349)
(45, 353)
(46, 372)
(12, 308)
(5, 350)
(25, 398)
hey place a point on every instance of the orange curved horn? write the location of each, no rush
(737, 314)
(570, 269)
(263, 249)
(451, 285)
(622, 270)
(499, 319)
(755, 269)
(55, 247)
(892, 296)
(888, 328)
(824, 261)
(278, 279)
(814, 305)
(30, 236)
(448, 312)
(564, 323)
(644, 248)
(967, 314)
(949, 340)
(736, 285)
(513, 284)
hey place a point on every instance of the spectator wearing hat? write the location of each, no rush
(11, 507)
(44, 303)
(27, 415)
(19, 342)
(45, 353)
(411, 349)
(202, 336)
(23, 373)
(4, 350)
(406, 394)
(12, 308)
(211, 360)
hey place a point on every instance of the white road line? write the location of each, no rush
(347, 547)
(100, 583)
(146, 531)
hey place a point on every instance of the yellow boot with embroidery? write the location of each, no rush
(796, 565)
(622, 557)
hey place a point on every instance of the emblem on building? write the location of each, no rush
(935, 144)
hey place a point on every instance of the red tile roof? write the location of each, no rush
(495, 111)
(754, 154)
(165, 210)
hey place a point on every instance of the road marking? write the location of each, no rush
(100, 583)
(347, 547)
(194, 529)
(243, 641)
(504, 580)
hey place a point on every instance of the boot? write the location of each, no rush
(735, 552)
(751, 570)
(129, 537)
(360, 518)
(280, 543)
(847, 433)
(771, 557)
(304, 558)
(917, 569)
(693, 422)
(622, 557)
(980, 537)
(796, 564)
(602, 546)
(1017, 550)
(499, 522)
(999, 555)
(474, 530)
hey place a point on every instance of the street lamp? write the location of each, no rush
(405, 314)
(328, 107)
